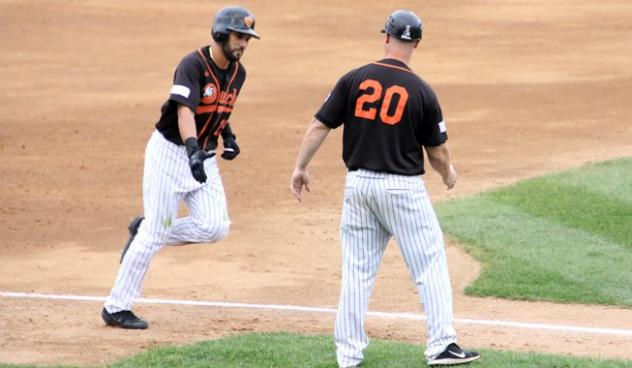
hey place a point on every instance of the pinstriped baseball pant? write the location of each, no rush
(167, 180)
(376, 207)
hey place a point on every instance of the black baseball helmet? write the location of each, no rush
(404, 25)
(233, 19)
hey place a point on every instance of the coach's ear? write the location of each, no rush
(416, 44)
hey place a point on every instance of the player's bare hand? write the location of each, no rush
(300, 179)
(450, 178)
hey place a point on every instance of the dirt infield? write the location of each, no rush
(526, 88)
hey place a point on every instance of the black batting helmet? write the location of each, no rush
(404, 25)
(233, 19)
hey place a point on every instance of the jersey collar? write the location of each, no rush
(394, 63)
(206, 51)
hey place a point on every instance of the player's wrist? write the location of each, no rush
(192, 146)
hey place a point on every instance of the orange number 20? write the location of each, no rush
(375, 94)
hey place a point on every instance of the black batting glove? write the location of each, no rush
(196, 159)
(231, 148)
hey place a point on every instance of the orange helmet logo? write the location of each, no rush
(249, 21)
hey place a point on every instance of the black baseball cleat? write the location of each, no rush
(453, 355)
(133, 230)
(123, 319)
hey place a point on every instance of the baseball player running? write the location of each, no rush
(389, 114)
(180, 162)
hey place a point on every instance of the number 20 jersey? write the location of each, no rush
(389, 113)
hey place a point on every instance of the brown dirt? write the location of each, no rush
(526, 87)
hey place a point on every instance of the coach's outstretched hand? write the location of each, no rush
(196, 159)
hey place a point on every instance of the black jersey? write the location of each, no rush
(209, 91)
(388, 113)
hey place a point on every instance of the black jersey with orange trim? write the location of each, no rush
(209, 91)
(389, 113)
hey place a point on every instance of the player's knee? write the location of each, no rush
(222, 229)
(217, 231)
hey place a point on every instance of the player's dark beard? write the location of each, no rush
(230, 54)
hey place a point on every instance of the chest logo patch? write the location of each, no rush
(209, 95)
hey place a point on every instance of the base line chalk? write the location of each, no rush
(298, 308)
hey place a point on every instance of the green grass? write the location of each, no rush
(3, 365)
(564, 238)
(281, 350)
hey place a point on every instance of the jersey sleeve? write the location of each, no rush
(434, 132)
(186, 83)
(332, 112)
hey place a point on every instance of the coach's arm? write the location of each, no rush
(313, 139)
(439, 158)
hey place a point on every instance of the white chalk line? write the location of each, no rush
(297, 308)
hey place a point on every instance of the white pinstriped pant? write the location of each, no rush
(376, 207)
(167, 180)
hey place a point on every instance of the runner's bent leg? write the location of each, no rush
(161, 197)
